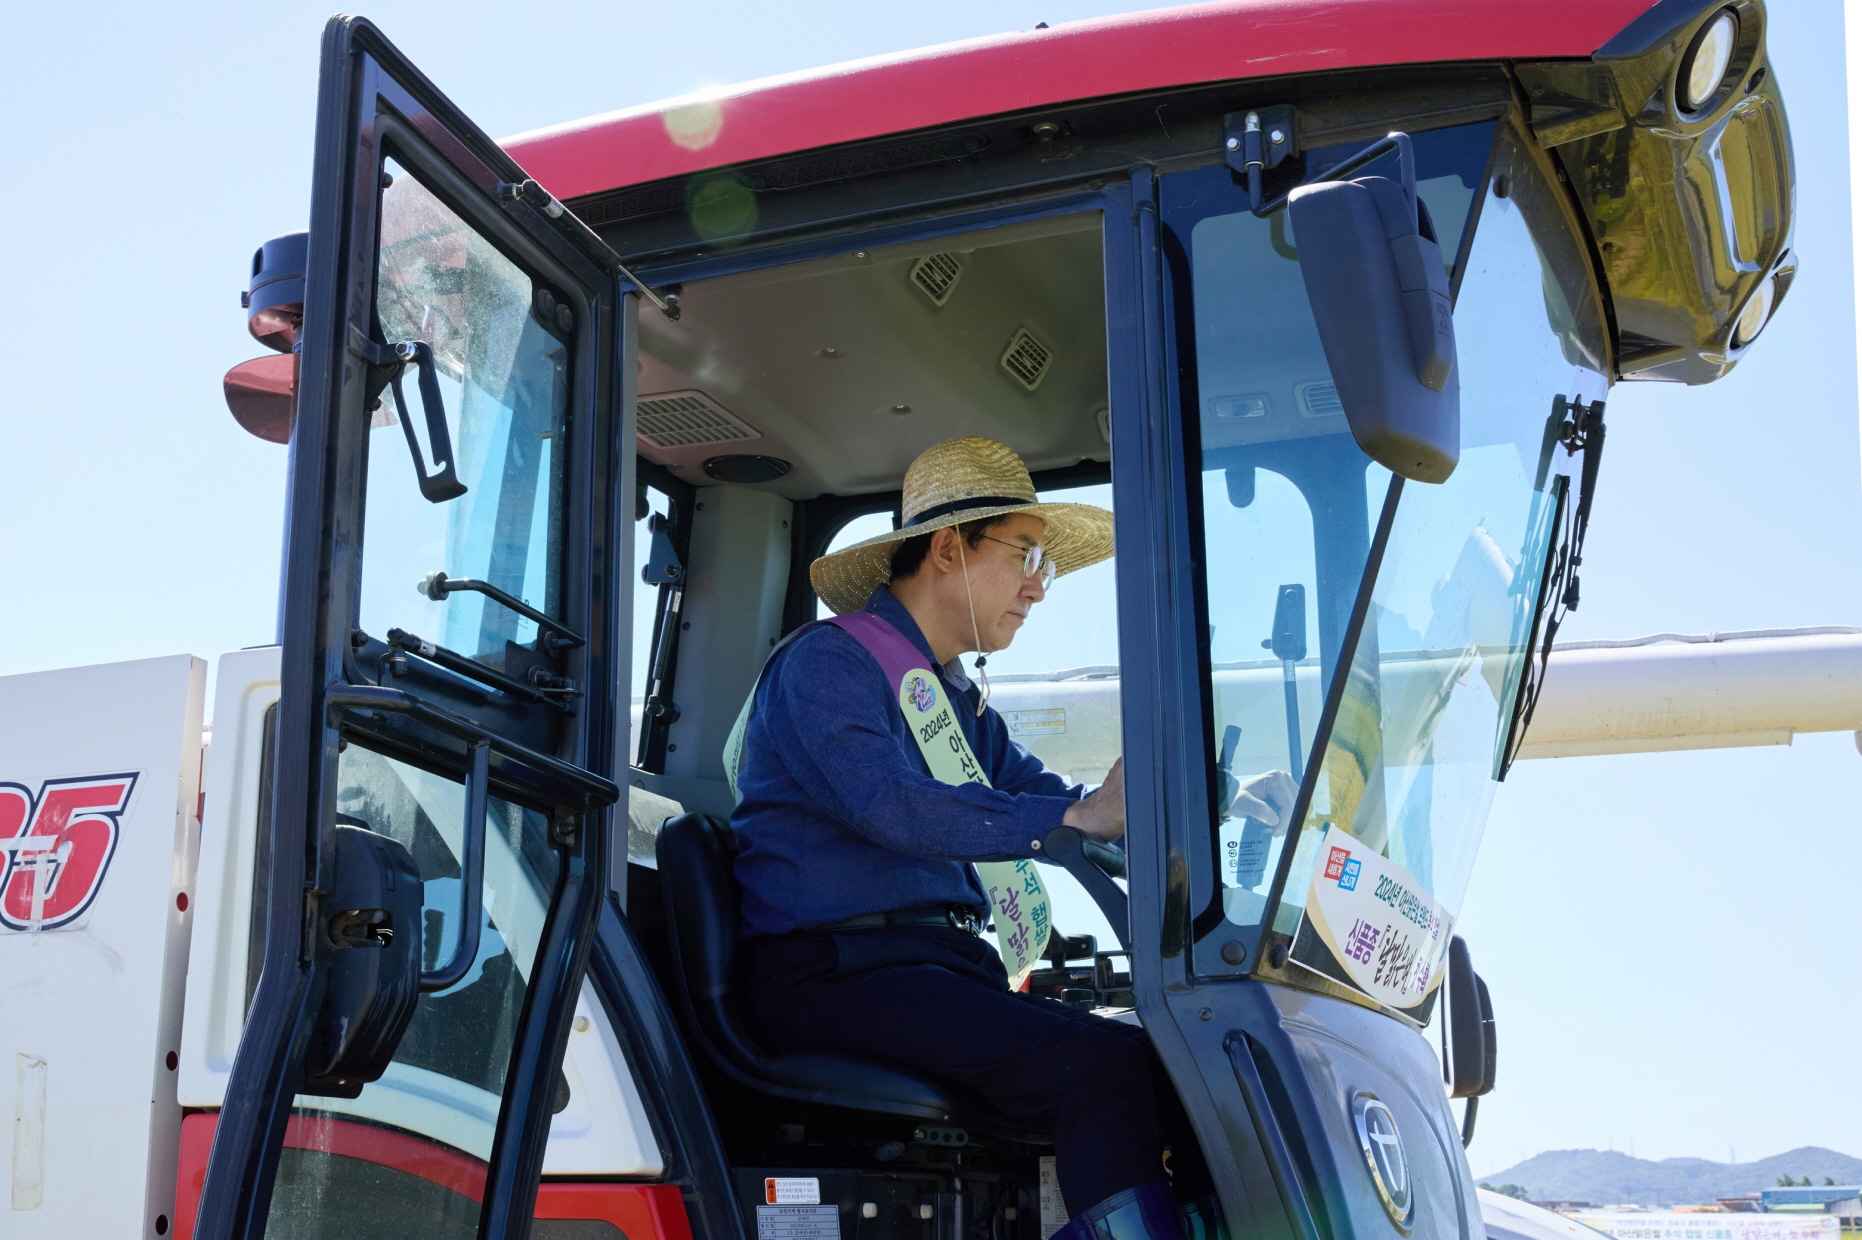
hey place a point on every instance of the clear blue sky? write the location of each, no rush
(1671, 940)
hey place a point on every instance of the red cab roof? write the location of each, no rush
(1164, 48)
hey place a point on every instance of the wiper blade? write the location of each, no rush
(1582, 431)
(555, 635)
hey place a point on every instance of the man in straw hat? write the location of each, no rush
(884, 814)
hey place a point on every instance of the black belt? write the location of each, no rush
(954, 917)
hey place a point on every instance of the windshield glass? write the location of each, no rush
(1409, 770)
(1289, 502)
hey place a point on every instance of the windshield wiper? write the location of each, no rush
(554, 634)
(1580, 429)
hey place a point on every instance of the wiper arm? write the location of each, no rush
(1582, 432)
(555, 634)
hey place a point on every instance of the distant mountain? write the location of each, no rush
(1610, 1177)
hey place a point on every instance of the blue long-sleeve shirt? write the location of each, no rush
(840, 816)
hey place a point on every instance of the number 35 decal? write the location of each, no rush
(56, 847)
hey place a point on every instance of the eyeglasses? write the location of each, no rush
(1034, 560)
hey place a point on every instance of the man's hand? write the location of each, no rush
(1267, 799)
(1101, 814)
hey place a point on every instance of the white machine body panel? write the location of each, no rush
(99, 787)
(602, 1131)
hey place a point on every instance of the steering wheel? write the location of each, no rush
(1095, 864)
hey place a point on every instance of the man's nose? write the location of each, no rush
(1033, 590)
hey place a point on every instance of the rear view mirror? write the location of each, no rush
(1379, 292)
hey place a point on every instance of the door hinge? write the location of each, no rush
(538, 199)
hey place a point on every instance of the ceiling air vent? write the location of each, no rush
(1318, 400)
(935, 275)
(671, 420)
(1026, 359)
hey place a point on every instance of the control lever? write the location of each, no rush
(1062, 948)
(1288, 644)
(1249, 849)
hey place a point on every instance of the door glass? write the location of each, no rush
(437, 1103)
(502, 379)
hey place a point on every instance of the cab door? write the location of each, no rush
(453, 650)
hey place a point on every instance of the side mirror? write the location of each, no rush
(371, 936)
(1469, 1044)
(1465, 1053)
(1379, 292)
(262, 393)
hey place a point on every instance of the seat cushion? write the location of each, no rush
(858, 1085)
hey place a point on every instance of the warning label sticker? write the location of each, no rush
(797, 1223)
(1039, 721)
(791, 1190)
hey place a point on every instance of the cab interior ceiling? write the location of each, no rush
(847, 367)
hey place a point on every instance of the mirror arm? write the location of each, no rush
(1395, 141)
(1257, 141)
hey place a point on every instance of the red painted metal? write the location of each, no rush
(641, 1211)
(1227, 41)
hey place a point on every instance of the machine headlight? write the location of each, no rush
(1757, 313)
(1704, 66)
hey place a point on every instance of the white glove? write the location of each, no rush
(1267, 798)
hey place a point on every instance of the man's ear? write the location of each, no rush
(943, 553)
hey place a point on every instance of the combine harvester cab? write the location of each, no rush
(1324, 302)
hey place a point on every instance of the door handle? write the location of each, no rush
(386, 364)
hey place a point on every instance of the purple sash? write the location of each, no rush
(891, 649)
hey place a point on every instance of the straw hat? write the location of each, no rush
(969, 479)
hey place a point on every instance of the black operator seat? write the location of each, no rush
(694, 854)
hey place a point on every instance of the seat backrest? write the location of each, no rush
(695, 853)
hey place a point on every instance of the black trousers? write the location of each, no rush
(936, 1002)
